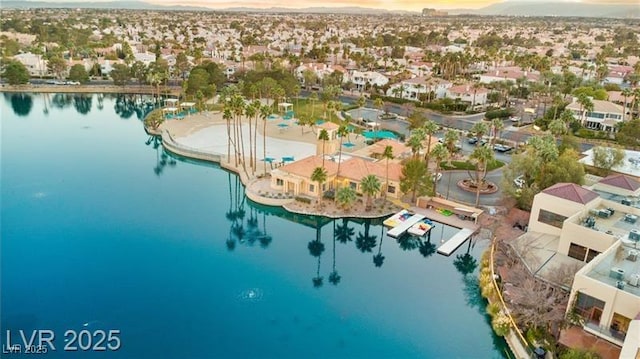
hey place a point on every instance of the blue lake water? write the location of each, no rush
(101, 230)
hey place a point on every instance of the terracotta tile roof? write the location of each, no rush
(571, 192)
(398, 147)
(356, 169)
(304, 167)
(328, 126)
(621, 181)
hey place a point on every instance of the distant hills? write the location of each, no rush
(563, 9)
(507, 8)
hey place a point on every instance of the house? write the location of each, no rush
(617, 74)
(604, 116)
(414, 88)
(509, 74)
(582, 224)
(366, 79)
(295, 178)
(35, 64)
(469, 93)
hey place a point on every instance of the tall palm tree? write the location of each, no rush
(343, 131)
(430, 128)
(378, 103)
(370, 185)
(250, 112)
(319, 175)
(626, 93)
(313, 98)
(265, 111)
(451, 138)
(479, 129)
(387, 155)
(439, 153)
(482, 156)
(415, 141)
(360, 103)
(227, 115)
(497, 125)
(324, 137)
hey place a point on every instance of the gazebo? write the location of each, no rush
(170, 102)
(285, 106)
(169, 112)
(188, 106)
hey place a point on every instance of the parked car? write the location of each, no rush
(436, 176)
(502, 148)
(515, 119)
(474, 141)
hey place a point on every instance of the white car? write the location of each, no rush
(436, 176)
(515, 119)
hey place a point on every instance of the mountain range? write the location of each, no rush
(507, 8)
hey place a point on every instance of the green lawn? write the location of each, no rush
(465, 165)
(305, 108)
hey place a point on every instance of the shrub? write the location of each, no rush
(303, 199)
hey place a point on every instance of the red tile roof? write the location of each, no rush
(621, 181)
(571, 192)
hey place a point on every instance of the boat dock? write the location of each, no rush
(399, 230)
(456, 241)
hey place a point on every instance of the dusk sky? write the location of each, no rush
(413, 5)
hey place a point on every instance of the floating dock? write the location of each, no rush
(456, 241)
(399, 230)
(421, 228)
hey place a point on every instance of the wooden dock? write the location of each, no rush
(399, 230)
(456, 241)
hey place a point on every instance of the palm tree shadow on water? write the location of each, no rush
(316, 248)
(21, 103)
(365, 242)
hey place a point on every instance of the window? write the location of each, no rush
(391, 189)
(353, 185)
(589, 308)
(279, 182)
(312, 188)
(551, 218)
(592, 254)
(577, 251)
(619, 326)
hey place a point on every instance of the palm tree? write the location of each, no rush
(497, 125)
(586, 105)
(227, 115)
(370, 186)
(387, 155)
(429, 129)
(415, 178)
(251, 112)
(439, 153)
(319, 175)
(415, 141)
(479, 129)
(451, 138)
(313, 98)
(324, 137)
(482, 156)
(360, 103)
(378, 103)
(627, 92)
(343, 130)
(345, 196)
(265, 111)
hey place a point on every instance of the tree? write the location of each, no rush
(319, 175)
(343, 131)
(154, 120)
(198, 80)
(15, 73)
(345, 196)
(439, 153)
(416, 140)
(182, 64)
(430, 128)
(629, 133)
(387, 155)
(606, 158)
(120, 74)
(482, 156)
(496, 125)
(415, 178)
(451, 138)
(57, 65)
(78, 73)
(378, 103)
(324, 137)
(370, 187)
(479, 129)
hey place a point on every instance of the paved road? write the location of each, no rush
(448, 186)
